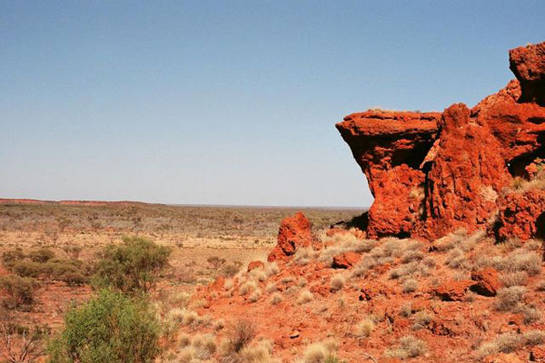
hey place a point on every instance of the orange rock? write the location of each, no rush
(294, 232)
(255, 264)
(537, 354)
(346, 260)
(453, 290)
(487, 281)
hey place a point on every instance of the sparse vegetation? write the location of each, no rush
(409, 347)
(510, 342)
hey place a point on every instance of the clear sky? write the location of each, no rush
(229, 102)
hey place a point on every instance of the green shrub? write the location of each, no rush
(27, 268)
(19, 291)
(73, 278)
(57, 269)
(132, 266)
(109, 328)
(42, 255)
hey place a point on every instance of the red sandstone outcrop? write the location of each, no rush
(433, 173)
(389, 147)
(294, 232)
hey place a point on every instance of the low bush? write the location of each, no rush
(27, 268)
(9, 258)
(231, 269)
(19, 291)
(240, 336)
(132, 266)
(42, 255)
(109, 328)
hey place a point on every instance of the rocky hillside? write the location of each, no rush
(446, 265)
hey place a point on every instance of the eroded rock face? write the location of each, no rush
(432, 173)
(389, 147)
(294, 232)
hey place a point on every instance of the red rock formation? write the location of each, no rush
(432, 173)
(389, 147)
(294, 232)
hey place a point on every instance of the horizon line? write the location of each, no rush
(211, 205)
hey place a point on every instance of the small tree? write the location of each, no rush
(109, 328)
(131, 267)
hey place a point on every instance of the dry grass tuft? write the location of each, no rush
(254, 296)
(509, 298)
(364, 328)
(367, 263)
(410, 285)
(247, 287)
(518, 278)
(304, 297)
(337, 282)
(323, 352)
(276, 298)
(409, 347)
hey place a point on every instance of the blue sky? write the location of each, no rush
(229, 102)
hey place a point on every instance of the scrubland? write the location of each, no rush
(53, 255)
